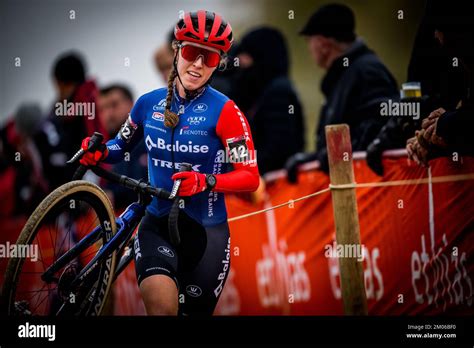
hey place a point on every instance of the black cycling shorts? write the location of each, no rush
(199, 265)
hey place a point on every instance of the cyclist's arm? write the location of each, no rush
(129, 135)
(234, 132)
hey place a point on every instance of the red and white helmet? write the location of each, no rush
(206, 28)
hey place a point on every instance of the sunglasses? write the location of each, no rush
(191, 53)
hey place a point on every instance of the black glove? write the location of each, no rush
(294, 162)
(374, 156)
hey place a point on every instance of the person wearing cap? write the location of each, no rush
(19, 154)
(355, 84)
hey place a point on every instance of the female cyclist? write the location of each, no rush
(188, 122)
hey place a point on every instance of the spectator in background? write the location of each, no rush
(264, 92)
(355, 84)
(442, 85)
(164, 56)
(115, 103)
(450, 130)
(75, 113)
(21, 163)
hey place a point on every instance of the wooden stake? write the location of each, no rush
(346, 218)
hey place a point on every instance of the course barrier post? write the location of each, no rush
(346, 218)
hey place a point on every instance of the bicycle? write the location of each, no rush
(79, 276)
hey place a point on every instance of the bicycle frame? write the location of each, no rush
(126, 224)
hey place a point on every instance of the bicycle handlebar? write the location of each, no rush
(136, 185)
(94, 143)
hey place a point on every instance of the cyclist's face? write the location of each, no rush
(194, 74)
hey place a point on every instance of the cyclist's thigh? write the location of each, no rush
(153, 253)
(203, 285)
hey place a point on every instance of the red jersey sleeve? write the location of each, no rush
(234, 131)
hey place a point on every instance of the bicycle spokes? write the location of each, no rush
(58, 234)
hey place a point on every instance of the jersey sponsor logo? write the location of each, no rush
(201, 107)
(225, 268)
(166, 251)
(196, 120)
(147, 125)
(213, 196)
(186, 131)
(176, 147)
(160, 106)
(194, 290)
(168, 164)
(114, 147)
(158, 116)
(242, 121)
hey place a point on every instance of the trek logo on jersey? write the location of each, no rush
(201, 107)
(176, 147)
(168, 164)
(196, 120)
(166, 251)
(158, 116)
(186, 131)
(160, 106)
(194, 290)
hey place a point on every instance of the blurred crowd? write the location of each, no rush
(35, 144)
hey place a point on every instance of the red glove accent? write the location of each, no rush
(92, 158)
(191, 183)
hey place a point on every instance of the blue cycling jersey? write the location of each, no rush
(193, 140)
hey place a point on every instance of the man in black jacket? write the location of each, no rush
(355, 85)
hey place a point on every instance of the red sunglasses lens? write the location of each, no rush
(212, 59)
(190, 53)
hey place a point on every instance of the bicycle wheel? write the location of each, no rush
(61, 220)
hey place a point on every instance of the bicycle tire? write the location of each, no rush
(102, 206)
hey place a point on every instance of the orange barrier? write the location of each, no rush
(418, 243)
